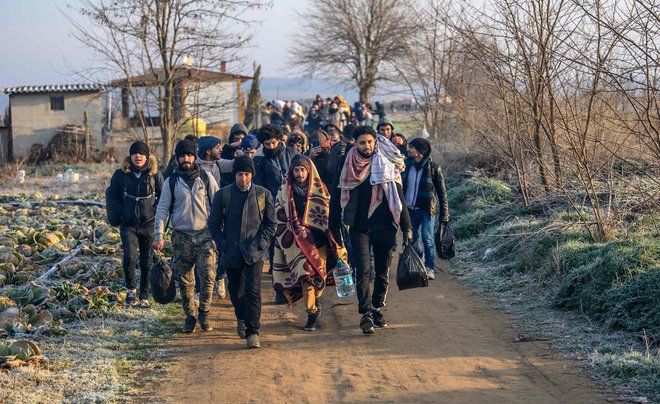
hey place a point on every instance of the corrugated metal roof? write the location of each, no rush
(53, 88)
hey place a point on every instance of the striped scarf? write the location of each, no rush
(385, 167)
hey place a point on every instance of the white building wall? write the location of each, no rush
(34, 122)
(215, 103)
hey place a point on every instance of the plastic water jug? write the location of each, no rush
(68, 176)
(343, 279)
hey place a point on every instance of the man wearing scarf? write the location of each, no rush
(370, 202)
(305, 250)
(271, 169)
(132, 198)
(426, 195)
(193, 247)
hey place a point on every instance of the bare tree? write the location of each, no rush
(356, 38)
(426, 62)
(153, 39)
(252, 108)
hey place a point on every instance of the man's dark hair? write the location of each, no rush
(349, 130)
(363, 130)
(192, 137)
(269, 131)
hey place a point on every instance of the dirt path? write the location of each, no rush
(442, 345)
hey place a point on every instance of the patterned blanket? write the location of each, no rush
(296, 257)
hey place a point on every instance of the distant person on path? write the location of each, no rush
(189, 206)
(370, 200)
(314, 120)
(242, 223)
(305, 250)
(132, 198)
(426, 195)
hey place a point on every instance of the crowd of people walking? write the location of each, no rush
(305, 192)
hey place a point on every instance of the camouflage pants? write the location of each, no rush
(194, 252)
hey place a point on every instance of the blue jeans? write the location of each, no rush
(423, 219)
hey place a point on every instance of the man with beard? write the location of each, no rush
(242, 223)
(305, 250)
(131, 201)
(186, 198)
(320, 155)
(369, 200)
(271, 169)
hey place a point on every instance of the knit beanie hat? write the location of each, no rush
(322, 136)
(139, 147)
(422, 145)
(243, 164)
(249, 142)
(384, 121)
(301, 160)
(184, 146)
(206, 143)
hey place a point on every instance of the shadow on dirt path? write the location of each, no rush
(442, 345)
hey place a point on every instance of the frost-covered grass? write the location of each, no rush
(598, 302)
(101, 360)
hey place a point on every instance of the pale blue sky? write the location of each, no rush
(37, 46)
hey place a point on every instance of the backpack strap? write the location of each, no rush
(207, 184)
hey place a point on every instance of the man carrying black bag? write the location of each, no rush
(131, 202)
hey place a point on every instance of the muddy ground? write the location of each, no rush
(442, 345)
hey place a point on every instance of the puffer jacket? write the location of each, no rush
(191, 206)
(132, 200)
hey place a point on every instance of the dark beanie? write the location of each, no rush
(301, 160)
(139, 147)
(422, 145)
(206, 143)
(184, 146)
(243, 164)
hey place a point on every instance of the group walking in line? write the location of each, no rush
(305, 192)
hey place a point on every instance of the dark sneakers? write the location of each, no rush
(204, 322)
(367, 323)
(312, 319)
(189, 325)
(379, 319)
(240, 328)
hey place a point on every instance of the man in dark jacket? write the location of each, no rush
(424, 188)
(242, 223)
(320, 155)
(132, 198)
(271, 169)
(370, 198)
(314, 120)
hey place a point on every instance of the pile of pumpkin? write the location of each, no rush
(35, 236)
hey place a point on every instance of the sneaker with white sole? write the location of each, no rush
(367, 323)
(430, 274)
(253, 341)
(131, 298)
(240, 328)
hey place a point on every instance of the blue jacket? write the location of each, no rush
(272, 170)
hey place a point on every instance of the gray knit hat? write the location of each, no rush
(384, 121)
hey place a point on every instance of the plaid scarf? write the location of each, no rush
(385, 167)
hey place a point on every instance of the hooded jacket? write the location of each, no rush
(133, 198)
(216, 168)
(191, 206)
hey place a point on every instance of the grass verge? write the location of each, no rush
(598, 302)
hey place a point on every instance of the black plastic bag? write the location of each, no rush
(445, 244)
(161, 278)
(410, 273)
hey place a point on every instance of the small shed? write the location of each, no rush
(38, 112)
(213, 96)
